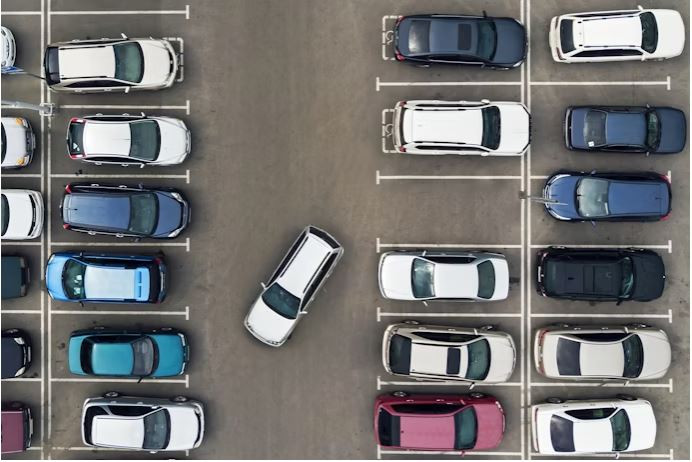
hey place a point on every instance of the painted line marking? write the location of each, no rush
(24, 379)
(406, 383)
(379, 177)
(668, 316)
(379, 83)
(21, 311)
(185, 244)
(185, 313)
(387, 36)
(666, 83)
(185, 12)
(185, 108)
(427, 314)
(380, 245)
(621, 455)
(452, 453)
(668, 385)
(668, 246)
(387, 128)
(89, 448)
(8, 242)
(181, 55)
(181, 176)
(20, 13)
(115, 380)
(22, 175)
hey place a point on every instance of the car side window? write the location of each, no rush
(426, 408)
(446, 336)
(105, 160)
(130, 411)
(606, 53)
(454, 260)
(591, 414)
(622, 148)
(602, 337)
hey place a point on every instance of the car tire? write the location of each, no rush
(111, 394)
(411, 322)
(179, 399)
(626, 397)
(400, 394)
(553, 400)
(476, 395)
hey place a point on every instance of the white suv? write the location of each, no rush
(627, 35)
(287, 294)
(461, 127)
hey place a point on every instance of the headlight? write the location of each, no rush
(21, 161)
(21, 122)
(177, 196)
(175, 233)
(19, 340)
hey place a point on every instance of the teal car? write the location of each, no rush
(118, 353)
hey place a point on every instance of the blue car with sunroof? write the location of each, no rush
(152, 353)
(106, 278)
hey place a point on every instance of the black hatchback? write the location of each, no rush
(132, 211)
(601, 274)
(467, 40)
(16, 353)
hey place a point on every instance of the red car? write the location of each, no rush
(439, 422)
(17, 428)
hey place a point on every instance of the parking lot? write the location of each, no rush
(289, 107)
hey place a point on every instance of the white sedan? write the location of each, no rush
(22, 214)
(622, 424)
(18, 142)
(457, 276)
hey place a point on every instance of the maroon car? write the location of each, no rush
(17, 428)
(438, 422)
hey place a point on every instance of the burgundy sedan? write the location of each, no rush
(438, 422)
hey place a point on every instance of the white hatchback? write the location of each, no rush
(22, 214)
(9, 47)
(461, 127)
(626, 35)
(18, 142)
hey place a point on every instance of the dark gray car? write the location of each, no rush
(15, 276)
(16, 353)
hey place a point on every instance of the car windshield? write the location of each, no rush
(627, 277)
(653, 130)
(595, 128)
(634, 356)
(649, 32)
(157, 430)
(143, 213)
(73, 279)
(592, 197)
(566, 35)
(129, 62)
(487, 40)
(486, 279)
(491, 127)
(5, 214)
(562, 434)
(75, 138)
(281, 301)
(144, 354)
(620, 424)
(479, 360)
(422, 278)
(465, 429)
(145, 136)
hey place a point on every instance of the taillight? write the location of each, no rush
(68, 188)
(665, 178)
(402, 103)
(76, 120)
(665, 217)
(402, 149)
(539, 347)
(157, 260)
(398, 20)
(398, 56)
(65, 226)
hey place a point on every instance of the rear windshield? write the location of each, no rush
(634, 356)
(491, 127)
(465, 429)
(281, 301)
(388, 428)
(649, 32)
(620, 424)
(419, 37)
(5, 214)
(75, 138)
(422, 278)
(568, 357)
(400, 354)
(562, 434)
(486, 279)
(487, 40)
(145, 139)
(566, 36)
(653, 130)
(479, 360)
(627, 278)
(129, 62)
(73, 279)
(595, 128)
(51, 65)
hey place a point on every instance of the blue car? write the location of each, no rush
(106, 278)
(119, 353)
(579, 196)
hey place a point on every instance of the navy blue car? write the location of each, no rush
(634, 129)
(450, 39)
(579, 196)
(106, 278)
(121, 211)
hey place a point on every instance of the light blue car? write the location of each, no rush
(118, 353)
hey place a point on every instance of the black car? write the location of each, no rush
(633, 129)
(15, 276)
(450, 39)
(120, 211)
(16, 353)
(601, 274)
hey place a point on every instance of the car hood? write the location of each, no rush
(502, 354)
(511, 42)
(54, 277)
(21, 214)
(515, 128)
(12, 274)
(491, 425)
(395, 276)
(16, 141)
(673, 130)
(501, 279)
(12, 431)
(657, 354)
(268, 325)
(638, 198)
(650, 277)
(671, 34)
(643, 426)
(157, 62)
(174, 141)
(171, 214)
(12, 357)
(561, 188)
(185, 428)
(577, 120)
(171, 355)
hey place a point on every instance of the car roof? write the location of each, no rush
(637, 197)
(458, 280)
(86, 61)
(117, 431)
(463, 126)
(99, 209)
(596, 277)
(113, 283)
(307, 260)
(107, 138)
(626, 128)
(609, 31)
(112, 358)
(427, 431)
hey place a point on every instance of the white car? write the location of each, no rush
(448, 353)
(287, 294)
(636, 352)
(22, 214)
(124, 64)
(451, 276)
(622, 424)
(9, 47)
(461, 127)
(18, 142)
(128, 140)
(627, 35)
(147, 424)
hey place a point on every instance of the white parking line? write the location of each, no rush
(493, 454)
(428, 314)
(89, 448)
(379, 83)
(21, 13)
(379, 245)
(23, 379)
(185, 381)
(668, 316)
(387, 36)
(185, 313)
(668, 247)
(77, 176)
(622, 455)
(668, 385)
(407, 383)
(185, 108)
(379, 177)
(21, 243)
(21, 175)
(665, 83)
(185, 12)
(185, 244)
(21, 311)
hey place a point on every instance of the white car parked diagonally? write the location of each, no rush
(22, 214)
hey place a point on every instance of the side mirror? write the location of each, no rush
(485, 14)
(485, 101)
(141, 165)
(473, 384)
(123, 35)
(618, 302)
(641, 8)
(264, 286)
(127, 89)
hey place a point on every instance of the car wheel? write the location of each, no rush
(553, 400)
(111, 394)
(476, 395)
(400, 394)
(411, 322)
(626, 397)
(179, 399)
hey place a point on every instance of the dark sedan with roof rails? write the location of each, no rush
(601, 274)
(468, 40)
(608, 196)
(132, 211)
(628, 129)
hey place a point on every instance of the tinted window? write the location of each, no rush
(145, 139)
(5, 214)
(620, 424)
(465, 429)
(422, 282)
(649, 32)
(143, 213)
(446, 336)
(75, 136)
(634, 356)
(129, 62)
(157, 430)
(388, 428)
(447, 259)
(627, 278)
(419, 37)
(491, 127)
(562, 434)
(653, 130)
(73, 279)
(144, 353)
(487, 40)
(400, 354)
(591, 414)
(566, 36)
(594, 128)
(130, 411)
(51, 65)
(453, 361)
(592, 197)
(426, 408)
(95, 84)
(486, 279)
(479, 360)
(568, 357)
(4, 142)
(85, 355)
(606, 53)
(281, 301)
(602, 336)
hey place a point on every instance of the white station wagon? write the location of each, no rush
(286, 296)
(461, 127)
(626, 35)
(622, 424)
